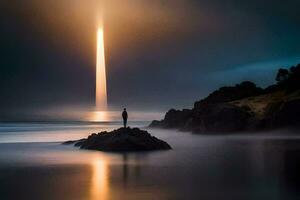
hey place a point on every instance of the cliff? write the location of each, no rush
(243, 107)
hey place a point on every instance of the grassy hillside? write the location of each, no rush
(242, 107)
(260, 105)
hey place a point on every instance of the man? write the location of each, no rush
(125, 116)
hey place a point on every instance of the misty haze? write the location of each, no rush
(127, 99)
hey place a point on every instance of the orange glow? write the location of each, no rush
(99, 184)
(101, 93)
(99, 116)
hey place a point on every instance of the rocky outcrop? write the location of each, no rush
(285, 114)
(221, 117)
(121, 140)
(243, 107)
(218, 118)
(173, 119)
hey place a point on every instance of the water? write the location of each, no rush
(34, 165)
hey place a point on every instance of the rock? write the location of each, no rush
(214, 113)
(69, 142)
(219, 118)
(122, 140)
(156, 123)
(243, 107)
(222, 117)
(75, 142)
(79, 142)
(173, 119)
(286, 115)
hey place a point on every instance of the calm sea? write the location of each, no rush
(34, 165)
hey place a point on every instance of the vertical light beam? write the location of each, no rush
(101, 93)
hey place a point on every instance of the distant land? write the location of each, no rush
(243, 107)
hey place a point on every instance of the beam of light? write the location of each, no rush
(101, 93)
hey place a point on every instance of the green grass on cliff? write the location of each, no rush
(259, 105)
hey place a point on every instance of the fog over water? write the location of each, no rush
(158, 55)
(253, 166)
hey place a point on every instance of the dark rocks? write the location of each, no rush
(73, 142)
(211, 118)
(122, 140)
(219, 118)
(286, 114)
(236, 109)
(173, 119)
(243, 107)
(157, 123)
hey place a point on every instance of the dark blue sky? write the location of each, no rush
(160, 54)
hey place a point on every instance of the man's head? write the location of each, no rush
(124, 109)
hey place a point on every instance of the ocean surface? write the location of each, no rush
(34, 165)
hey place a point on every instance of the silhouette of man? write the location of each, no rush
(125, 117)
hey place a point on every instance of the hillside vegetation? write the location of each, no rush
(242, 107)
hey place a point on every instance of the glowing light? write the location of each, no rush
(99, 116)
(101, 93)
(100, 182)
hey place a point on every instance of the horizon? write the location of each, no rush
(149, 99)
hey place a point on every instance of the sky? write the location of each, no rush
(159, 53)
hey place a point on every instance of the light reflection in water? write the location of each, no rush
(100, 179)
(109, 116)
(99, 116)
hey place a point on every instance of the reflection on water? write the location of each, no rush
(114, 179)
(247, 167)
(100, 176)
(125, 170)
(109, 116)
(131, 167)
(102, 116)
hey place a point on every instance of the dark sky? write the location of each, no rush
(160, 53)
